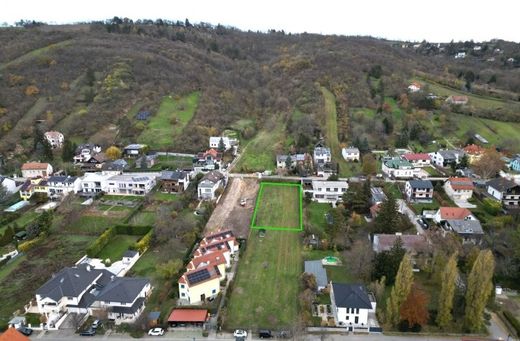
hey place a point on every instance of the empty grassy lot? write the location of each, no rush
(115, 249)
(169, 121)
(266, 288)
(278, 206)
(258, 154)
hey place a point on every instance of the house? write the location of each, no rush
(143, 115)
(214, 142)
(174, 181)
(469, 230)
(135, 149)
(315, 267)
(474, 152)
(505, 191)
(85, 290)
(219, 240)
(459, 188)
(11, 334)
(295, 159)
(445, 157)
(457, 100)
(351, 305)
(418, 159)
(325, 191)
(55, 139)
(36, 169)
(460, 55)
(377, 195)
(209, 184)
(412, 243)
(452, 213)
(514, 164)
(116, 166)
(211, 159)
(414, 87)
(419, 191)
(94, 183)
(350, 154)
(31, 186)
(321, 155)
(191, 317)
(399, 169)
(85, 151)
(131, 183)
(9, 184)
(146, 161)
(63, 185)
(325, 170)
(95, 162)
(198, 285)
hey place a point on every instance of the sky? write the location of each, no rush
(414, 20)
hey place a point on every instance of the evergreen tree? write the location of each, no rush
(400, 290)
(68, 151)
(448, 283)
(478, 290)
(388, 124)
(387, 220)
(288, 162)
(464, 161)
(386, 263)
(221, 145)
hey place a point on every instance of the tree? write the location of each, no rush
(288, 163)
(221, 145)
(357, 197)
(33, 230)
(113, 153)
(464, 161)
(369, 164)
(489, 164)
(361, 256)
(386, 263)
(388, 124)
(414, 309)
(169, 269)
(448, 284)
(478, 290)
(3, 193)
(388, 219)
(68, 151)
(400, 290)
(309, 281)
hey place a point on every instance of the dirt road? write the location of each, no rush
(229, 214)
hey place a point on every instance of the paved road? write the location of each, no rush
(404, 209)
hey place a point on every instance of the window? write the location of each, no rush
(182, 286)
(346, 318)
(183, 294)
(214, 291)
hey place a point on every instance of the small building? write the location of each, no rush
(460, 55)
(377, 195)
(351, 305)
(63, 185)
(206, 161)
(143, 115)
(412, 243)
(419, 191)
(457, 100)
(399, 169)
(36, 169)
(514, 164)
(295, 160)
(452, 213)
(325, 191)
(414, 87)
(116, 166)
(154, 319)
(445, 157)
(197, 286)
(196, 317)
(474, 152)
(505, 191)
(418, 159)
(95, 162)
(459, 188)
(315, 267)
(11, 334)
(85, 151)
(469, 230)
(321, 155)
(55, 139)
(325, 170)
(214, 142)
(209, 184)
(134, 150)
(9, 184)
(146, 161)
(350, 154)
(174, 181)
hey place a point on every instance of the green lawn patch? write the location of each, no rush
(143, 218)
(169, 197)
(6, 269)
(115, 249)
(258, 154)
(278, 207)
(91, 224)
(420, 207)
(315, 215)
(173, 162)
(267, 283)
(169, 121)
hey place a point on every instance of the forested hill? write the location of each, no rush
(90, 80)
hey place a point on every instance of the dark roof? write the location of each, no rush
(142, 115)
(173, 175)
(502, 184)
(122, 289)
(116, 165)
(213, 176)
(129, 310)
(421, 184)
(351, 296)
(130, 253)
(316, 268)
(62, 178)
(466, 226)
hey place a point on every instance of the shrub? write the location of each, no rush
(144, 243)
(491, 206)
(133, 230)
(101, 242)
(26, 246)
(513, 321)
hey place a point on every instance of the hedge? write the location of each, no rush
(133, 230)
(26, 246)
(101, 242)
(143, 243)
(513, 321)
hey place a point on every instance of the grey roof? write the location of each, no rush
(378, 195)
(466, 226)
(62, 178)
(154, 315)
(122, 289)
(294, 157)
(421, 184)
(213, 177)
(173, 175)
(502, 184)
(351, 296)
(451, 153)
(129, 310)
(351, 150)
(136, 146)
(316, 268)
(130, 253)
(319, 151)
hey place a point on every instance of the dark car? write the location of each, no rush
(25, 331)
(88, 332)
(265, 334)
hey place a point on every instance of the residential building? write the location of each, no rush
(377, 195)
(174, 181)
(351, 305)
(459, 188)
(143, 115)
(63, 185)
(209, 184)
(211, 159)
(350, 154)
(131, 183)
(321, 155)
(146, 161)
(116, 167)
(36, 169)
(413, 243)
(452, 213)
(85, 151)
(55, 139)
(457, 100)
(9, 184)
(31, 186)
(325, 170)
(474, 152)
(94, 183)
(460, 55)
(419, 191)
(505, 191)
(418, 159)
(11, 334)
(189, 317)
(296, 159)
(135, 149)
(469, 230)
(198, 285)
(514, 164)
(444, 158)
(86, 290)
(315, 267)
(95, 162)
(214, 142)
(399, 169)
(325, 191)
(414, 87)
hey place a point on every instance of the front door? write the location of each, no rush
(202, 298)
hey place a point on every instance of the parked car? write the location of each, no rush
(25, 330)
(96, 324)
(265, 334)
(156, 332)
(240, 333)
(88, 332)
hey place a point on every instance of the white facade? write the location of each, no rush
(94, 182)
(400, 169)
(9, 184)
(86, 153)
(55, 138)
(328, 191)
(457, 194)
(350, 154)
(214, 142)
(414, 88)
(351, 316)
(206, 189)
(131, 184)
(35, 170)
(57, 187)
(322, 155)
(418, 194)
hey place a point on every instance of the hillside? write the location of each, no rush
(90, 80)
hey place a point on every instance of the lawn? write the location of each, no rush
(173, 162)
(278, 206)
(266, 287)
(143, 218)
(315, 216)
(420, 207)
(90, 224)
(115, 249)
(169, 121)
(258, 155)
(336, 273)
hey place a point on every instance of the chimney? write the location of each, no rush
(88, 267)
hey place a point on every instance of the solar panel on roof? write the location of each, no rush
(199, 276)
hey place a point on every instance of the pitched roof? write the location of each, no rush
(398, 164)
(351, 296)
(319, 151)
(421, 184)
(11, 334)
(501, 184)
(416, 156)
(461, 184)
(211, 258)
(213, 176)
(454, 213)
(410, 242)
(316, 268)
(173, 175)
(473, 149)
(188, 315)
(62, 178)
(34, 165)
(53, 134)
(466, 226)
(450, 153)
(122, 289)
(201, 275)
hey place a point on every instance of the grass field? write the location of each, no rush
(169, 121)
(88, 224)
(174, 162)
(266, 288)
(143, 218)
(258, 155)
(278, 207)
(115, 249)
(315, 216)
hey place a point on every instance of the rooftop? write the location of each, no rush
(351, 296)
(416, 156)
(188, 315)
(35, 165)
(461, 183)
(454, 213)
(410, 242)
(421, 184)
(316, 268)
(398, 164)
(466, 226)
(502, 184)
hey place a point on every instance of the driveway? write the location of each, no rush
(404, 209)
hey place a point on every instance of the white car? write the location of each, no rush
(240, 333)
(156, 332)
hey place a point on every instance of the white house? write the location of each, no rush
(322, 155)
(8, 183)
(84, 152)
(55, 139)
(419, 191)
(443, 158)
(351, 305)
(350, 154)
(36, 169)
(209, 184)
(505, 191)
(92, 183)
(399, 169)
(214, 142)
(326, 191)
(131, 183)
(63, 185)
(418, 159)
(135, 149)
(414, 87)
(460, 55)
(296, 159)
(453, 213)
(459, 188)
